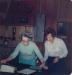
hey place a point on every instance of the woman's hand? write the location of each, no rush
(4, 61)
(41, 66)
(56, 60)
(44, 66)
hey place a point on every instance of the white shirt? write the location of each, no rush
(55, 49)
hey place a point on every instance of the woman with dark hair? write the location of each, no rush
(27, 51)
(55, 51)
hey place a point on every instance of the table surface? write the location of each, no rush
(20, 67)
(38, 72)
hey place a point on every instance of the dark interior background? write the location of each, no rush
(20, 15)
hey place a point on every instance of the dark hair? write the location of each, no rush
(25, 35)
(50, 31)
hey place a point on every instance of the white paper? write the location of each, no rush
(6, 68)
(27, 71)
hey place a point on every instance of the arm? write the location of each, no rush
(38, 53)
(46, 52)
(64, 51)
(12, 56)
(15, 53)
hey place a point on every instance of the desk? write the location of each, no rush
(22, 74)
(43, 72)
(36, 73)
(20, 67)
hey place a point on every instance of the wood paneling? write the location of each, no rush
(64, 10)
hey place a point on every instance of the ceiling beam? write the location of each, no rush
(3, 14)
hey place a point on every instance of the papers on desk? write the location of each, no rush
(27, 71)
(6, 68)
(36, 68)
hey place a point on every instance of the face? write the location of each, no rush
(50, 37)
(25, 40)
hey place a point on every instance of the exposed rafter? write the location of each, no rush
(3, 14)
